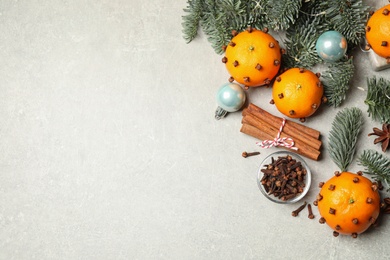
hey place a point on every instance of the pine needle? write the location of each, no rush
(376, 165)
(191, 21)
(344, 135)
(347, 17)
(283, 13)
(378, 99)
(336, 81)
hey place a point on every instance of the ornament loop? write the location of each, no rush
(220, 113)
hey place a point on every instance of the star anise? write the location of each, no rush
(383, 136)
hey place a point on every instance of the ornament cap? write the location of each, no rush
(220, 113)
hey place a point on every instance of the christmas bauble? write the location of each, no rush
(230, 98)
(331, 46)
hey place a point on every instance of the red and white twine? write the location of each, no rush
(277, 141)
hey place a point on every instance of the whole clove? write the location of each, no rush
(246, 154)
(296, 212)
(311, 215)
(284, 178)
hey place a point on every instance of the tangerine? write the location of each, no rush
(349, 203)
(378, 32)
(297, 93)
(252, 57)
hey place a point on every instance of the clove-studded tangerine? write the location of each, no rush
(252, 57)
(297, 93)
(349, 203)
(378, 32)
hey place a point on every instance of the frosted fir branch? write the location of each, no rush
(343, 136)
(336, 80)
(376, 165)
(378, 99)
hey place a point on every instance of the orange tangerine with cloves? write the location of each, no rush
(297, 93)
(349, 203)
(252, 57)
(378, 32)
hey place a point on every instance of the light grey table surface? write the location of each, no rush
(110, 150)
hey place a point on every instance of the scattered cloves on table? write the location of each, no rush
(311, 215)
(246, 154)
(284, 177)
(296, 212)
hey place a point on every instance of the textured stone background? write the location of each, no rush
(109, 148)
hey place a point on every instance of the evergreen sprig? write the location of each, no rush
(256, 14)
(378, 99)
(344, 135)
(301, 43)
(216, 31)
(376, 165)
(347, 17)
(191, 21)
(283, 13)
(217, 19)
(336, 81)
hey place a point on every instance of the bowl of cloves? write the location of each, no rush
(284, 177)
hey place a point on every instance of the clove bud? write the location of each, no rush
(245, 154)
(296, 212)
(311, 215)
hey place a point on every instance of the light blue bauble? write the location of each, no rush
(230, 98)
(331, 46)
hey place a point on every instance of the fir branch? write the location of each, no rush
(378, 99)
(302, 37)
(257, 13)
(343, 136)
(301, 42)
(283, 13)
(217, 18)
(376, 165)
(234, 13)
(336, 81)
(191, 21)
(214, 26)
(348, 17)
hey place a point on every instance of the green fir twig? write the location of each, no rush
(191, 21)
(378, 99)
(344, 135)
(307, 19)
(217, 19)
(347, 17)
(336, 81)
(283, 13)
(301, 44)
(376, 165)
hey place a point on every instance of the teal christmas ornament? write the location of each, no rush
(331, 46)
(230, 98)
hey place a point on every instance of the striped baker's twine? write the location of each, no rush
(277, 141)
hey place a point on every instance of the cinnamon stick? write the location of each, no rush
(289, 131)
(303, 150)
(276, 121)
(270, 132)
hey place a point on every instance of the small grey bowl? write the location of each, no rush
(268, 160)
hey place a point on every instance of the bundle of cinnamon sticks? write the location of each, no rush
(262, 125)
